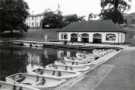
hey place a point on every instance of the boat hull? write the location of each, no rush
(58, 74)
(73, 64)
(9, 86)
(36, 81)
(67, 68)
(81, 61)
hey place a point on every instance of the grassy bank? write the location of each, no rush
(32, 34)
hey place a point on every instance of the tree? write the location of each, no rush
(52, 20)
(12, 15)
(92, 16)
(114, 9)
(72, 18)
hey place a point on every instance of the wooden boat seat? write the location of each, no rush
(67, 68)
(19, 78)
(57, 73)
(40, 71)
(41, 82)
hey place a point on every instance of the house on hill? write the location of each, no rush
(34, 21)
(100, 31)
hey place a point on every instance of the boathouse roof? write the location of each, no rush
(93, 26)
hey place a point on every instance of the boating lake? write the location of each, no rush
(14, 59)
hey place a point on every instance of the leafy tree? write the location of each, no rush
(92, 16)
(72, 18)
(52, 20)
(114, 9)
(12, 15)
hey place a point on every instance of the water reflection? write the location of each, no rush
(17, 59)
(11, 61)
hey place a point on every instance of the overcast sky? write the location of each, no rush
(80, 7)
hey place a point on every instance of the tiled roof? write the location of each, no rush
(93, 26)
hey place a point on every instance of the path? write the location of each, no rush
(122, 77)
(116, 74)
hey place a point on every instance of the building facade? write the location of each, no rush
(34, 21)
(93, 32)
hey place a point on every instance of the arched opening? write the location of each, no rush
(110, 37)
(64, 36)
(97, 38)
(85, 38)
(73, 53)
(74, 37)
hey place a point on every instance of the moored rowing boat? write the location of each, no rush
(67, 68)
(13, 86)
(58, 74)
(36, 81)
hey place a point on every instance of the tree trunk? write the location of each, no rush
(116, 4)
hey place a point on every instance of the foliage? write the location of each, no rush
(52, 20)
(72, 18)
(92, 16)
(114, 9)
(12, 15)
(56, 20)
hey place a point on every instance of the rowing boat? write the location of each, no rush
(13, 86)
(36, 81)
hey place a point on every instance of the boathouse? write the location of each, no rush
(100, 31)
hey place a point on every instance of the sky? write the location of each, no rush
(79, 7)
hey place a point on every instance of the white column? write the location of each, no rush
(123, 37)
(45, 53)
(79, 37)
(103, 36)
(68, 53)
(69, 36)
(59, 36)
(45, 37)
(90, 37)
(120, 37)
(59, 53)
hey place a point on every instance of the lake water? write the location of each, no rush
(16, 59)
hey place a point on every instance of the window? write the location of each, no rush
(110, 37)
(64, 36)
(74, 37)
(85, 38)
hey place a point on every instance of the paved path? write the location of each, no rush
(122, 77)
(116, 74)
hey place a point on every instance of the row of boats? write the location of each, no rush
(52, 75)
